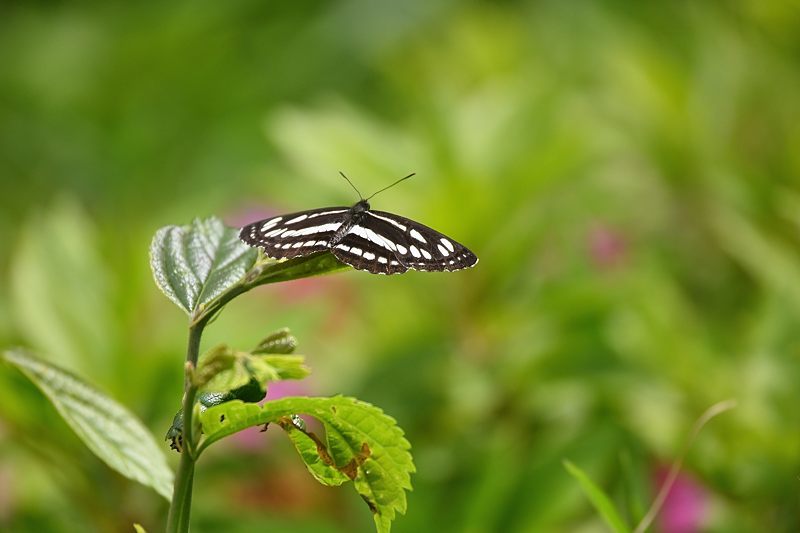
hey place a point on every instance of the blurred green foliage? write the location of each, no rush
(627, 172)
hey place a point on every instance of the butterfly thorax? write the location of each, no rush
(353, 217)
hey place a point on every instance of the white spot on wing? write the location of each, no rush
(448, 244)
(297, 219)
(425, 254)
(322, 228)
(275, 232)
(270, 223)
(402, 249)
(414, 251)
(382, 260)
(343, 247)
(369, 256)
(310, 243)
(389, 220)
(417, 235)
(312, 215)
(297, 244)
(371, 236)
(443, 250)
(355, 250)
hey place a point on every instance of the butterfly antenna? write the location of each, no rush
(351, 184)
(392, 185)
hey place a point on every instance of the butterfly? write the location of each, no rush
(375, 241)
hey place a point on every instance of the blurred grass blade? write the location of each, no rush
(601, 502)
(713, 411)
(363, 443)
(194, 264)
(112, 432)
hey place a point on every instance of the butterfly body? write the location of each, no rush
(375, 241)
(353, 216)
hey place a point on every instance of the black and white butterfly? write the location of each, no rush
(375, 241)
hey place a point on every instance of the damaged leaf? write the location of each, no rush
(362, 444)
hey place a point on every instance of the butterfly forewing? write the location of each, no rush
(295, 234)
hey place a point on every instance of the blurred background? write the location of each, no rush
(627, 173)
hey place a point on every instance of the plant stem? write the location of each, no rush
(271, 272)
(179, 510)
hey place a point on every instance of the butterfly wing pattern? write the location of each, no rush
(296, 234)
(374, 241)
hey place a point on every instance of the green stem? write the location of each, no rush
(267, 272)
(260, 274)
(179, 510)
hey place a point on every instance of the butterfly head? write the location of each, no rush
(363, 204)
(360, 207)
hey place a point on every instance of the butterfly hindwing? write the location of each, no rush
(362, 253)
(423, 248)
(295, 234)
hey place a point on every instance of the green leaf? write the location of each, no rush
(271, 271)
(601, 502)
(112, 432)
(364, 444)
(194, 264)
(203, 266)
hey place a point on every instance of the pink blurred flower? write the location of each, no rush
(686, 505)
(289, 387)
(607, 246)
(255, 439)
(249, 214)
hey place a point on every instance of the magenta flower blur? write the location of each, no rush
(686, 506)
(607, 246)
(254, 439)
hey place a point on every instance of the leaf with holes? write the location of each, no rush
(112, 432)
(314, 454)
(362, 443)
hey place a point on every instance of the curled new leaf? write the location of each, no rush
(224, 374)
(223, 369)
(280, 342)
(112, 432)
(363, 444)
